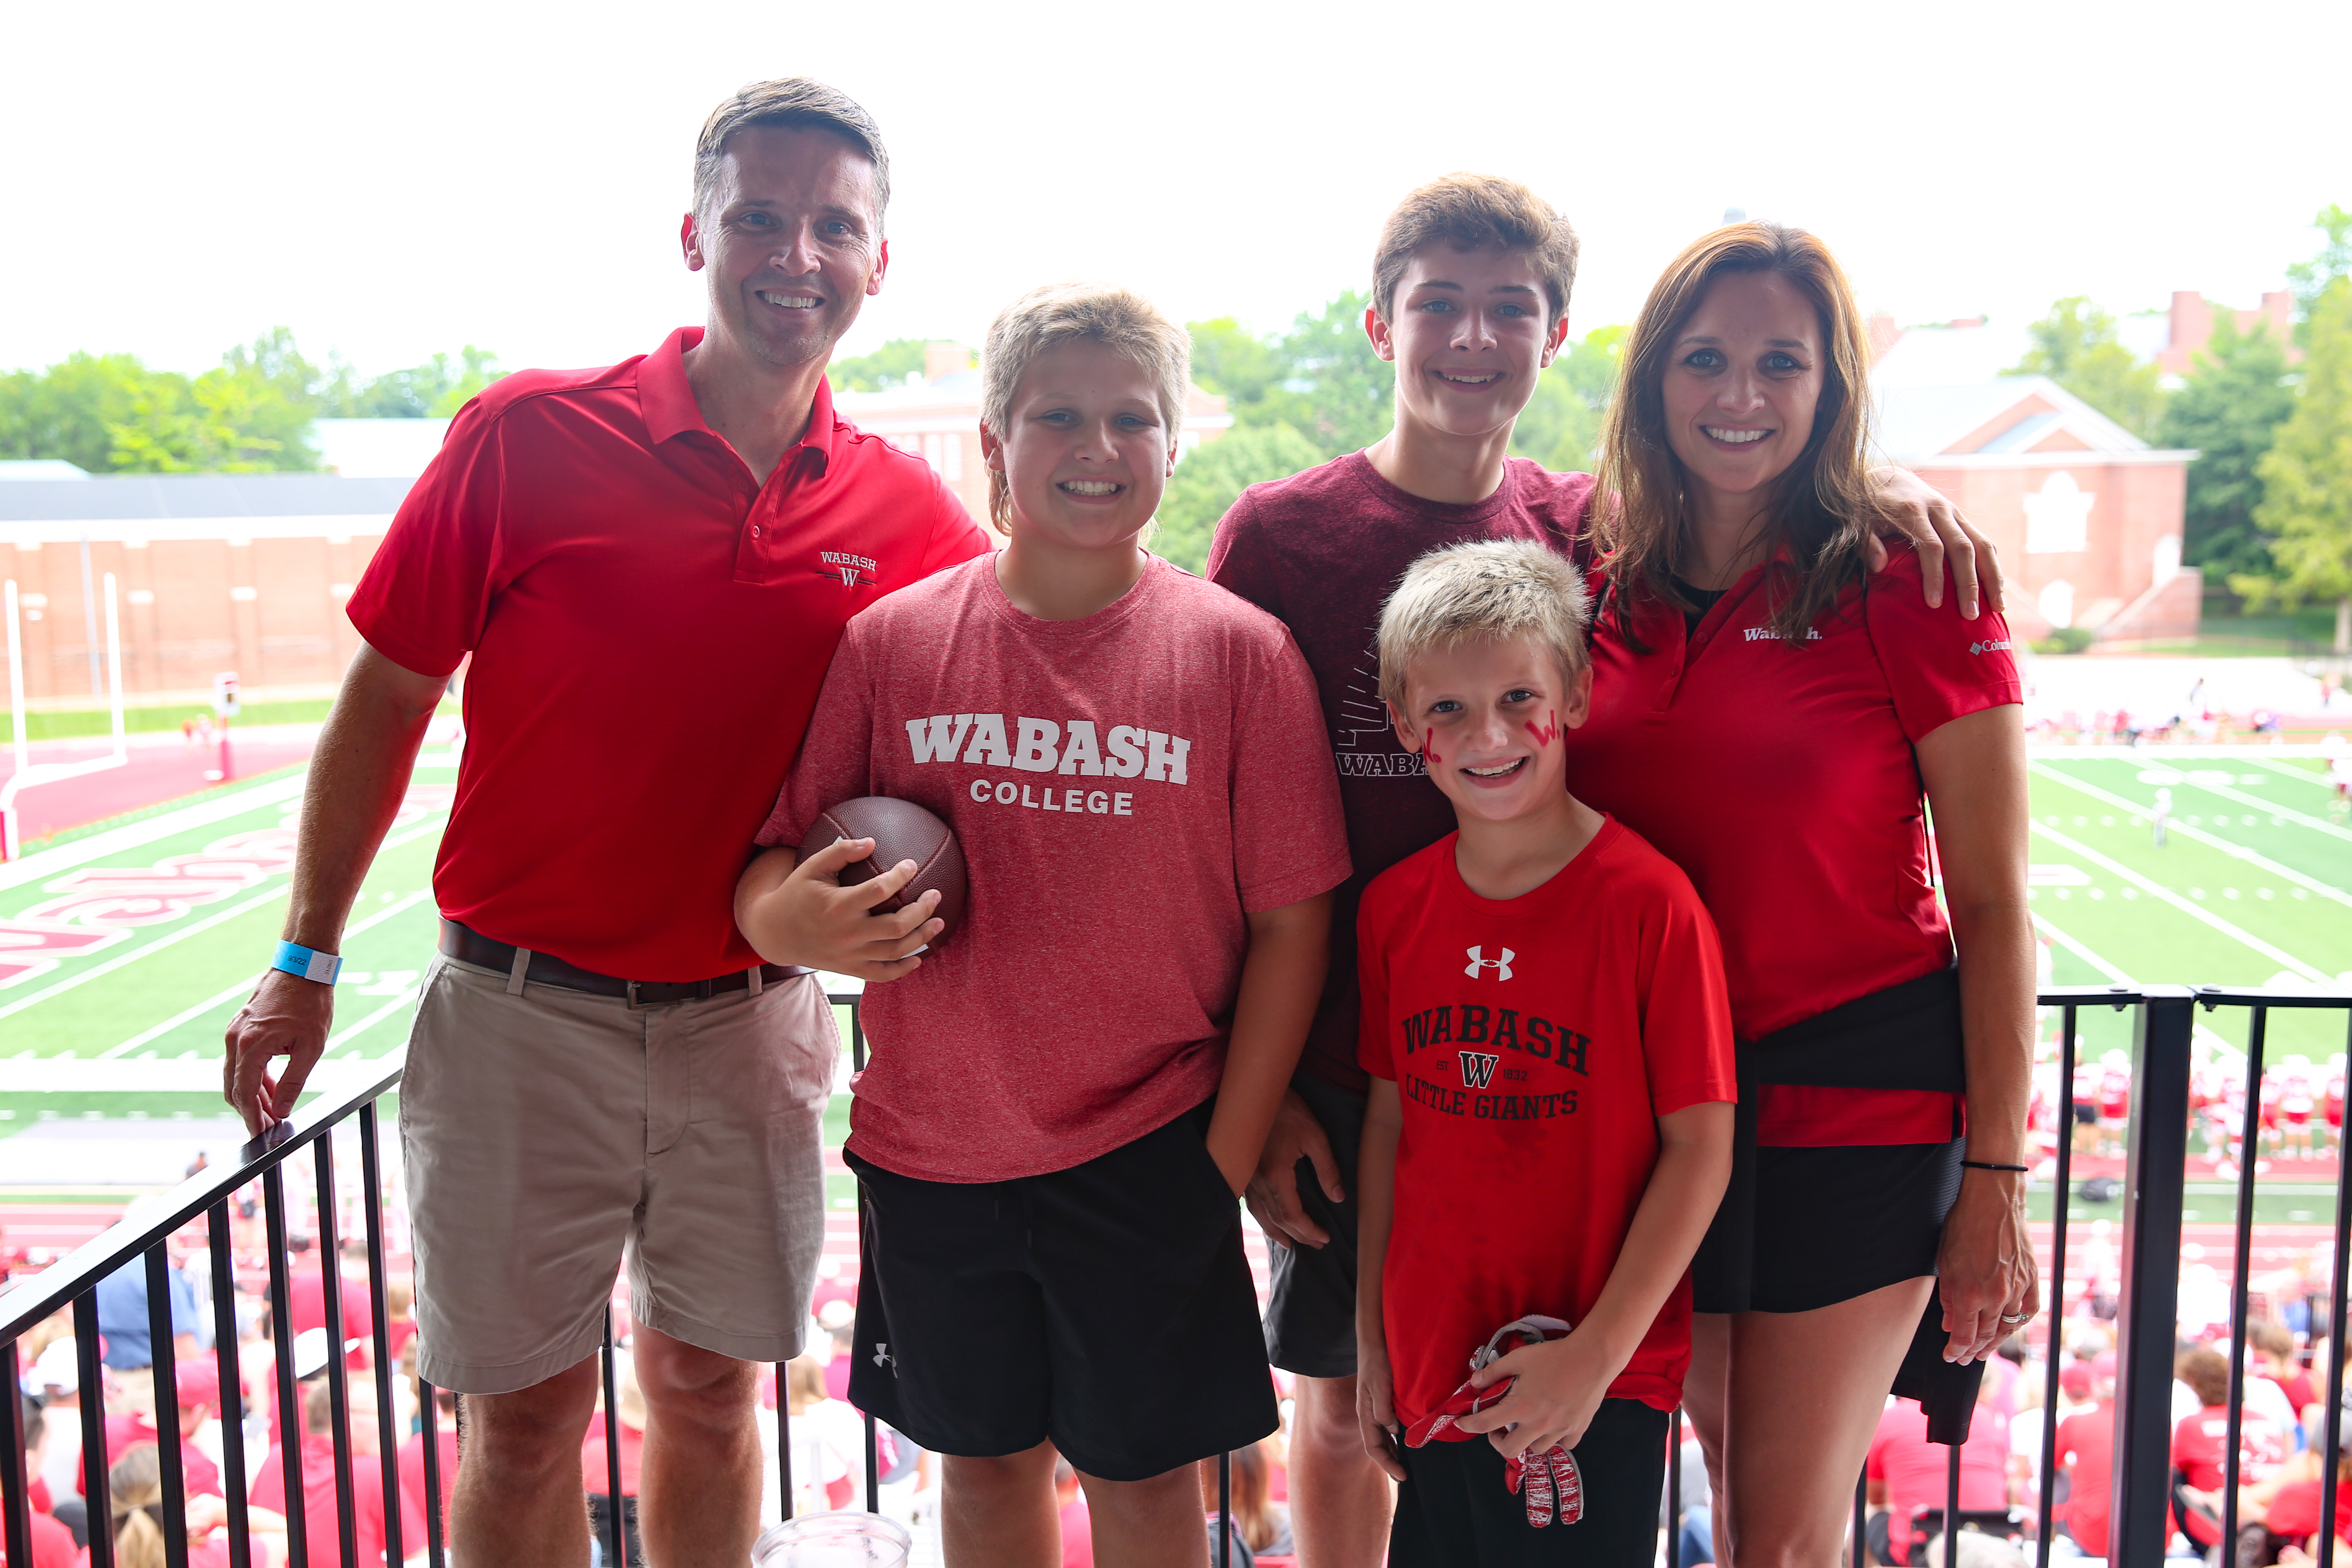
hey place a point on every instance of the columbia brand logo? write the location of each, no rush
(1990, 646)
(1765, 634)
(1477, 1067)
(1478, 961)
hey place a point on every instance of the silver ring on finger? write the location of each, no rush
(2019, 1318)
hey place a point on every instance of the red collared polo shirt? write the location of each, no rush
(1783, 782)
(649, 626)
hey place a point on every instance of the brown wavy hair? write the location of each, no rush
(1820, 511)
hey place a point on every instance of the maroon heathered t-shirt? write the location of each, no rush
(1322, 550)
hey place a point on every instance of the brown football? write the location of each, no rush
(901, 830)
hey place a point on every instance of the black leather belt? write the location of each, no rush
(546, 969)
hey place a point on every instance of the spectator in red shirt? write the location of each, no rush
(320, 1514)
(1908, 1476)
(678, 538)
(2084, 1447)
(1742, 637)
(2199, 1443)
(2274, 1358)
(53, 1544)
(197, 1380)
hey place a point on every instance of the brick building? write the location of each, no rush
(217, 572)
(2088, 517)
(249, 571)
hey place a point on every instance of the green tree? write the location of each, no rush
(2306, 476)
(1231, 360)
(2075, 346)
(70, 410)
(2311, 278)
(1213, 474)
(434, 390)
(2228, 412)
(885, 367)
(1336, 392)
(1560, 426)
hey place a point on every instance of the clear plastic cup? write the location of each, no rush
(848, 1539)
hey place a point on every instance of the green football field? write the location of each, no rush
(2254, 888)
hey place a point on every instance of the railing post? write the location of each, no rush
(96, 1483)
(164, 1376)
(2146, 1315)
(16, 1487)
(227, 1359)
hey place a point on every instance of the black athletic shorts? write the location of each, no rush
(1310, 1316)
(1836, 1223)
(1454, 1511)
(1108, 1307)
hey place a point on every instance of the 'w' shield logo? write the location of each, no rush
(1477, 1066)
(1478, 961)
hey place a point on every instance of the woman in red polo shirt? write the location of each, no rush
(1767, 714)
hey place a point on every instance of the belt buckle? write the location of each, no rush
(636, 1005)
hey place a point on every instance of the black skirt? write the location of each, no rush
(1803, 1228)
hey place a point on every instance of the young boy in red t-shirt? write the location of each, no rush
(1548, 1130)
(1068, 1093)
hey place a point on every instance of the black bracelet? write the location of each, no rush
(1982, 1166)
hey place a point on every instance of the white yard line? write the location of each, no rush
(2230, 847)
(2195, 911)
(2114, 976)
(2301, 818)
(429, 825)
(2305, 774)
(242, 986)
(65, 858)
(157, 945)
(395, 1005)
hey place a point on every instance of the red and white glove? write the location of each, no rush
(1550, 1481)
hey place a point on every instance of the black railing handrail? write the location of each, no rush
(25, 1303)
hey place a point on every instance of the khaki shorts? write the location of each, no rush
(548, 1131)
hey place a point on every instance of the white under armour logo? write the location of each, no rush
(1501, 966)
(882, 1356)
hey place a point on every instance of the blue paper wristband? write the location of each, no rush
(307, 963)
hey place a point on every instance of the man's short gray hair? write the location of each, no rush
(791, 101)
(1485, 590)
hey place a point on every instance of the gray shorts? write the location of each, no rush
(548, 1133)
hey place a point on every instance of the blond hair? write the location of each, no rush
(136, 1486)
(1044, 320)
(1488, 590)
(1474, 212)
(795, 101)
(1820, 510)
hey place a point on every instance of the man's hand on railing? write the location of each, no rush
(1985, 1265)
(286, 1017)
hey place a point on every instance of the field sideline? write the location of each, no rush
(125, 1020)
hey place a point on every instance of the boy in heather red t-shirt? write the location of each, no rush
(1548, 1130)
(1068, 1093)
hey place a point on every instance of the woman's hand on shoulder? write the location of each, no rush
(1912, 509)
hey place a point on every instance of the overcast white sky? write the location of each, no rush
(390, 181)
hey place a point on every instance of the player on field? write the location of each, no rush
(1470, 291)
(1543, 1013)
(1740, 636)
(602, 1069)
(1068, 1096)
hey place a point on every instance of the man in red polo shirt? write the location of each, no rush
(599, 1060)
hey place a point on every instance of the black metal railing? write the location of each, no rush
(2157, 1154)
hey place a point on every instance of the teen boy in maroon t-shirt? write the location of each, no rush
(1470, 292)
